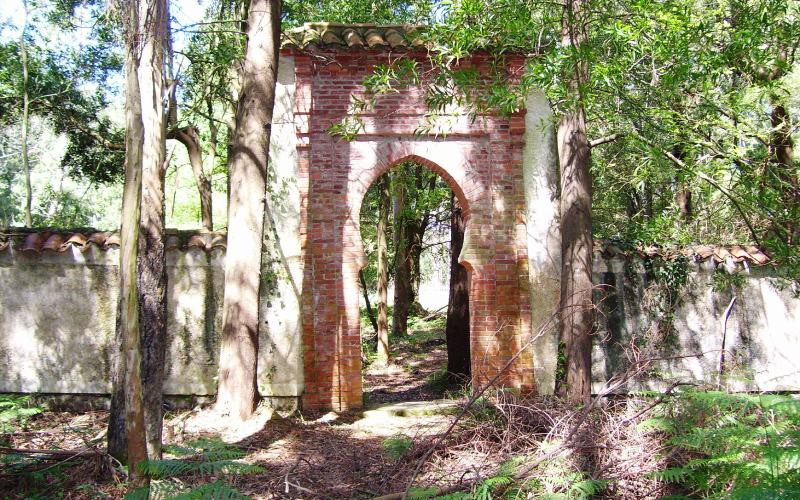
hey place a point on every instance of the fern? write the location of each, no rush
(587, 488)
(217, 490)
(672, 475)
(742, 446)
(15, 411)
(200, 458)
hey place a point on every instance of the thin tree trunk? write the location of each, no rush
(26, 103)
(189, 137)
(402, 262)
(237, 393)
(384, 199)
(213, 143)
(365, 292)
(577, 314)
(152, 257)
(457, 326)
(126, 434)
(229, 155)
(782, 148)
(415, 235)
(683, 196)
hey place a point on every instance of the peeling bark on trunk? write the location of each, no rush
(457, 327)
(237, 393)
(383, 270)
(152, 257)
(577, 314)
(190, 138)
(126, 434)
(402, 261)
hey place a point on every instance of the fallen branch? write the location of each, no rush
(83, 452)
(434, 314)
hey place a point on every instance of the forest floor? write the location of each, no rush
(416, 427)
(361, 453)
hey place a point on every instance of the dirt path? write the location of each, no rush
(409, 377)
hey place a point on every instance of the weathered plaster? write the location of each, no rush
(541, 180)
(762, 341)
(59, 311)
(280, 367)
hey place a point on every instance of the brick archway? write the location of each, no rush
(493, 253)
(482, 161)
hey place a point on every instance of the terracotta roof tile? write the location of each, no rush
(700, 253)
(352, 38)
(112, 240)
(198, 241)
(97, 238)
(78, 239)
(60, 241)
(739, 254)
(373, 36)
(219, 241)
(721, 254)
(704, 251)
(757, 256)
(173, 243)
(54, 243)
(33, 242)
(395, 38)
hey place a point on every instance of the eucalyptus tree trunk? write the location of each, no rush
(383, 269)
(577, 314)
(402, 260)
(26, 116)
(457, 326)
(237, 393)
(126, 433)
(152, 257)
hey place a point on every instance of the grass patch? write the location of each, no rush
(397, 446)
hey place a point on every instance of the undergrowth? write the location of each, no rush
(732, 445)
(15, 411)
(202, 459)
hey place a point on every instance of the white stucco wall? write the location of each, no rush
(762, 344)
(280, 367)
(58, 314)
(541, 179)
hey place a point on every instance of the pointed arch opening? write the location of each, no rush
(414, 308)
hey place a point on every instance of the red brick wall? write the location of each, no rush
(480, 160)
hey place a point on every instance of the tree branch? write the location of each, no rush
(604, 140)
